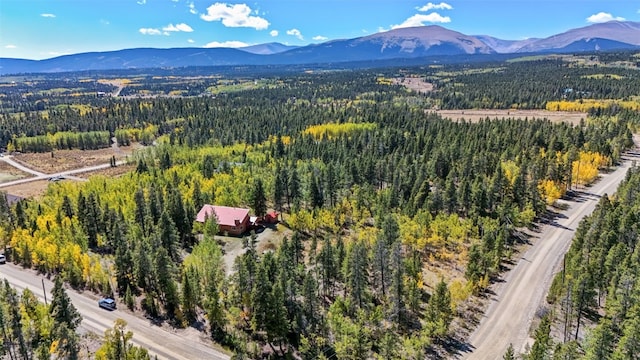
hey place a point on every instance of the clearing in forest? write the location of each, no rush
(65, 160)
(414, 83)
(475, 115)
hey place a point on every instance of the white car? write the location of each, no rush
(107, 303)
(3, 259)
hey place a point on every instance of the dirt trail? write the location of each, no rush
(512, 308)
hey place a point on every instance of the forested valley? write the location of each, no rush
(395, 216)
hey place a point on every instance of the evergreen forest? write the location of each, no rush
(393, 218)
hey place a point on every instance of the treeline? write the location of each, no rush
(294, 103)
(41, 92)
(91, 140)
(592, 105)
(529, 84)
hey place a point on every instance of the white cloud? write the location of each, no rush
(10, 46)
(150, 31)
(296, 33)
(320, 38)
(142, 2)
(432, 6)
(47, 15)
(178, 27)
(104, 22)
(190, 41)
(236, 15)
(192, 8)
(602, 17)
(274, 33)
(226, 44)
(420, 19)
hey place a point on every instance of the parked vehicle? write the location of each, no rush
(3, 259)
(107, 303)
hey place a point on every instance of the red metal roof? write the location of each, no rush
(224, 214)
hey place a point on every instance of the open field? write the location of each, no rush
(477, 115)
(112, 172)
(28, 190)
(64, 160)
(414, 83)
(9, 173)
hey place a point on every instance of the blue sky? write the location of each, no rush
(38, 29)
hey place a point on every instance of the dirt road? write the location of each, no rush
(21, 167)
(184, 344)
(508, 317)
(41, 176)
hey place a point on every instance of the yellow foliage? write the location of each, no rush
(369, 235)
(584, 105)
(585, 169)
(460, 291)
(332, 130)
(286, 139)
(325, 218)
(511, 171)
(301, 221)
(384, 81)
(551, 190)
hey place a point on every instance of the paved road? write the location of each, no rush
(179, 344)
(42, 176)
(509, 315)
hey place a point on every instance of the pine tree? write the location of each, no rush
(279, 188)
(294, 187)
(396, 288)
(329, 269)
(310, 301)
(215, 310)
(600, 342)
(258, 198)
(509, 354)
(66, 320)
(316, 197)
(15, 319)
(260, 299)
(542, 340)
(380, 266)
(188, 297)
(123, 259)
(169, 237)
(439, 313)
(164, 269)
(331, 182)
(356, 270)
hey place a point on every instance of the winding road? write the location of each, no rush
(512, 309)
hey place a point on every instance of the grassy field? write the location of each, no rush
(477, 115)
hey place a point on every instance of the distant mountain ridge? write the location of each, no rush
(402, 43)
(268, 48)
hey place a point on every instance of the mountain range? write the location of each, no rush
(403, 43)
